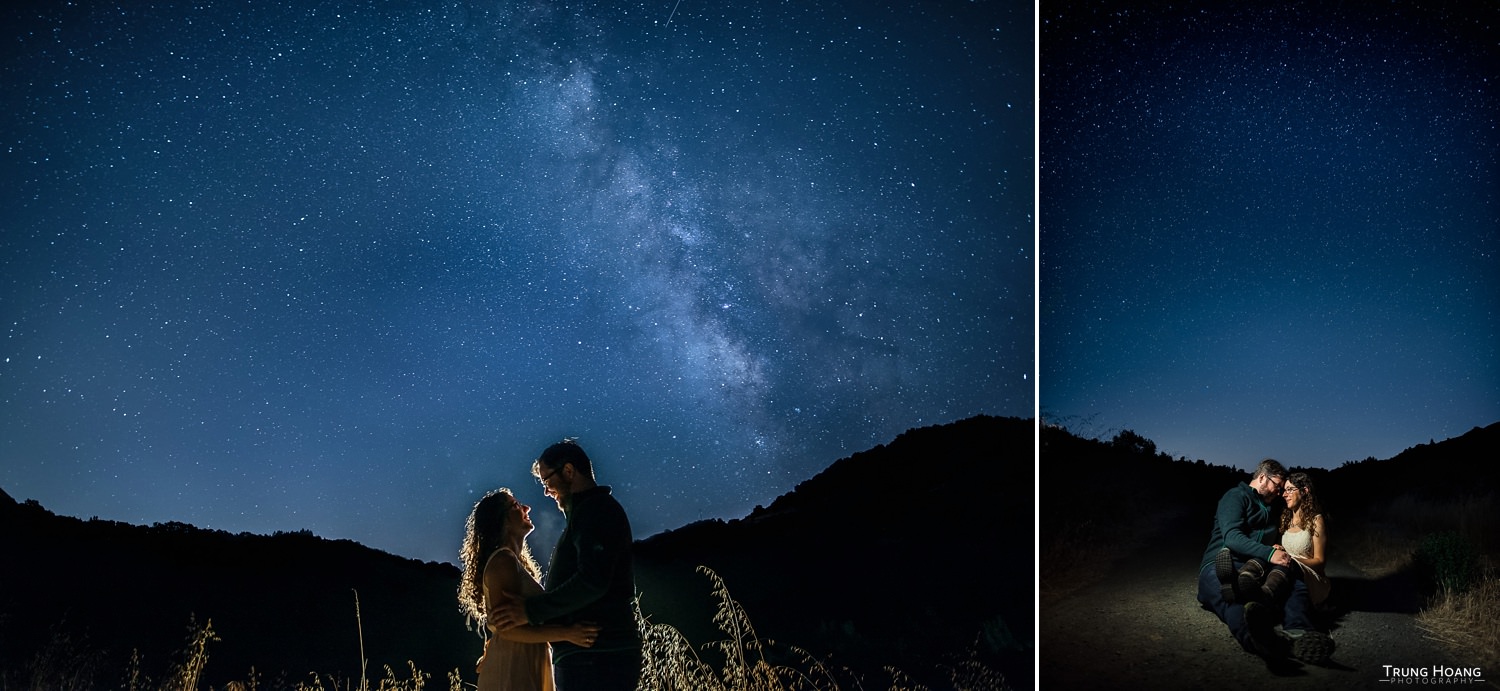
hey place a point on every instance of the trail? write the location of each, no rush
(1140, 626)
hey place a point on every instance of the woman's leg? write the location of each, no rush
(1278, 584)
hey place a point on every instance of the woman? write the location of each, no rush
(498, 564)
(1302, 535)
(1302, 538)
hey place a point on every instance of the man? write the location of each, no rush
(590, 578)
(1245, 528)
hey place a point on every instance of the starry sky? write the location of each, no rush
(1270, 231)
(281, 266)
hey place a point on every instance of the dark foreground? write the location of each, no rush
(1142, 627)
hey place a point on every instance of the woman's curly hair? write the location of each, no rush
(484, 532)
(1310, 508)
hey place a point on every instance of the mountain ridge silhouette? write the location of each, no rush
(1115, 492)
(285, 603)
(912, 554)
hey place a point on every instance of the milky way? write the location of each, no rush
(274, 267)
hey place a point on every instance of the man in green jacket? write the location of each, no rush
(589, 579)
(1244, 528)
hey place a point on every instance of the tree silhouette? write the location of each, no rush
(1130, 442)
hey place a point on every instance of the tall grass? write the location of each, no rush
(65, 663)
(1449, 546)
(1463, 603)
(671, 663)
(740, 661)
(68, 664)
(1384, 538)
(186, 673)
(1467, 621)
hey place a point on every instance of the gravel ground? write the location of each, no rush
(1140, 626)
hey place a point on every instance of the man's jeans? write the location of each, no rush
(1297, 614)
(1298, 611)
(1231, 614)
(598, 671)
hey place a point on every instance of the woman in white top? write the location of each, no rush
(498, 564)
(1303, 536)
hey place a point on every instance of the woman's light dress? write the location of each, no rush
(1298, 543)
(509, 665)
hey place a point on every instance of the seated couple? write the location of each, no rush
(1254, 576)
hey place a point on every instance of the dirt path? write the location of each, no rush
(1141, 627)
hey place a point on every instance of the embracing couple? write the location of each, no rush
(1261, 569)
(579, 630)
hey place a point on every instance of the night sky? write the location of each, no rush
(285, 266)
(1270, 232)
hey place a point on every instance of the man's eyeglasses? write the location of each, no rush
(544, 478)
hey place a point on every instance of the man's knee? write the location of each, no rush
(1208, 591)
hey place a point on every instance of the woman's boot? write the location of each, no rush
(1278, 584)
(1250, 579)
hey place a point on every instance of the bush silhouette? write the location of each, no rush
(1446, 562)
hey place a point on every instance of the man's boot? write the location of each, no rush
(1250, 578)
(1224, 570)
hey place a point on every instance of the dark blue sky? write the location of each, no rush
(275, 266)
(1270, 232)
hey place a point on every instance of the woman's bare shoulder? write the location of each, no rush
(502, 566)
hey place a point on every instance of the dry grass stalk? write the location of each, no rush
(65, 663)
(186, 674)
(671, 663)
(1468, 623)
(417, 681)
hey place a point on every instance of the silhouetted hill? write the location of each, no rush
(1096, 492)
(1452, 467)
(906, 555)
(901, 555)
(1456, 476)
(1123, 529)
(1105, 500)
(282, 603)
